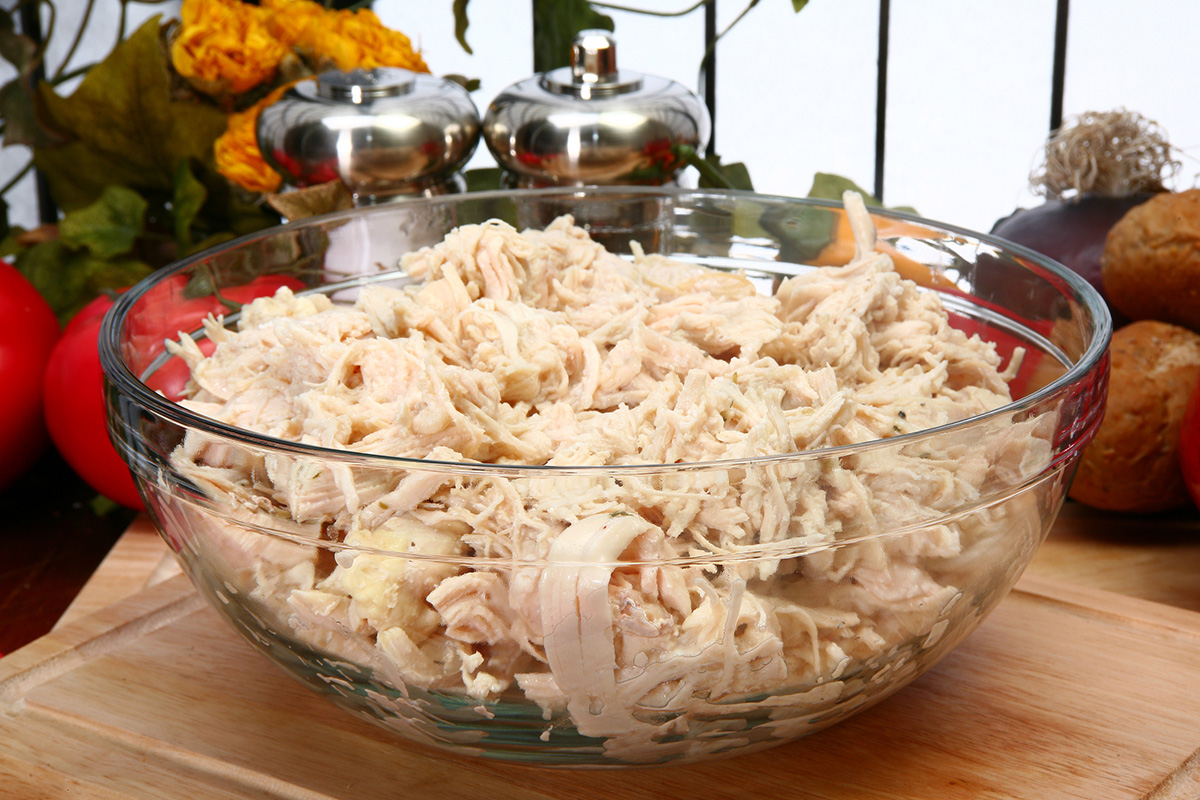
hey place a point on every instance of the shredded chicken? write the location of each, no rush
(650, 607)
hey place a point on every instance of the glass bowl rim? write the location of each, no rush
(121, 377)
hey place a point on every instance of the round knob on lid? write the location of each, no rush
(360, 85)
(594, 57)
(593, 72)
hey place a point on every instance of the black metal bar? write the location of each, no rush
(31, 26)
(708, 70)
(1059, 77)
(881, 95)
(534, 10)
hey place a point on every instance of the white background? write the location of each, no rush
(968, 90)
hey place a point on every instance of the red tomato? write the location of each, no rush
(168, 312)
(28, 331)
(74, 381)
(260, 287)
(1189, 445)
(171, 378)
(74, 405)
(92, 312)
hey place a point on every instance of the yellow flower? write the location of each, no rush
(289, 20)
(343, 39)
(236, 151)
(225, 46)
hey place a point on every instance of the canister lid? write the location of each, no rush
(363, 85)
(383, 132)
(593, 71)
(594, 123)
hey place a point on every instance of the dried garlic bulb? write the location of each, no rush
(1107, 153)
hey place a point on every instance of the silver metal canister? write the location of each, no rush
(592, 123)
(384, 132)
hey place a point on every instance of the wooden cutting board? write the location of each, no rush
(1064, 692)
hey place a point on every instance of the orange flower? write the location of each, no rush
(225, 46)
(289, 20)
(352, 40)
(230, 47)
(236, 151)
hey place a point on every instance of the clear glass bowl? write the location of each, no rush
(697, 609)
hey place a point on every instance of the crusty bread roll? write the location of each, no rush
(1133, 463)
(1151, 261)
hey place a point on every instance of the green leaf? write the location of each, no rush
(131, 129)
(243, 213)
(70, 278)
(24, 114)
(460, 24)
(827, 186)
(107, 227)
(470, 84)
(15, 48)
(228, 208)
(102, 506)
(802, 231)
(798, 5)
(735, 174)
(555, 23)
(714, 174)
(24, 119)
(10, 245)
(186, 203)
(43, 265)
(312, 201)
(210, 241)
(483, 179)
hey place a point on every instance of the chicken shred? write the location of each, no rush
(542, 348)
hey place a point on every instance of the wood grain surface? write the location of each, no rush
(1084, 684)
(1153, 556)
(140, 558)
(1064, 692)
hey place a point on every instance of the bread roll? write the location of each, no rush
(1150, 266)
(1133, 463)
